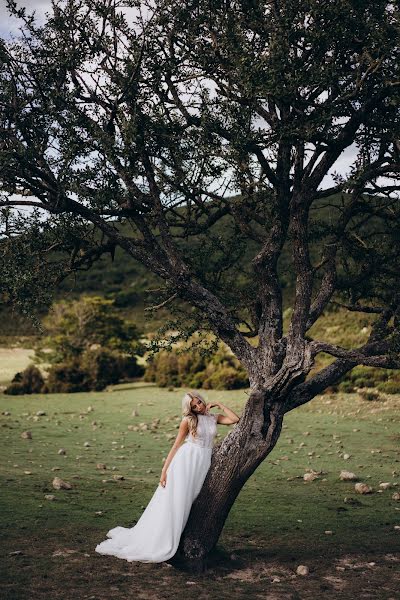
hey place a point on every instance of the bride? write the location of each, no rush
(156, 535)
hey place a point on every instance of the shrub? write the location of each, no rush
(221, 371)
(105, 367)
(226, 378)
(29, 381)
(371, 377)
(389, 387)
(101, 366)
(370, 395)
(346, 387)
(163, 370)
(67, 378)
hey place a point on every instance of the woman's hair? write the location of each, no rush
(187, 410)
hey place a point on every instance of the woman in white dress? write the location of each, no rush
(156, 535)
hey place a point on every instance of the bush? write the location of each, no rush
(94, 370)
(370, 395)
(67, 378)
(389, 387)
(221, 371)
(163, 370)
(371, 377)
(105, 367)
(226, 378)
(29, 381)
(101, 367)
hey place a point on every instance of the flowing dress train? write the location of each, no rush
(156, 535)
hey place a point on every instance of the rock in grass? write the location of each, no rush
(101, 466)
(40, 413)
(26, 435)
(60, 484)
(118, 477)
(50, 497)
(135, 413)
(347, 476)
(363, 488)
(302, 570)
(87, 444)
(62, 451)
(310, 476)
(396, 496)
(385, 485)
(352, 501)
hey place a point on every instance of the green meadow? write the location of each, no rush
(278, 522)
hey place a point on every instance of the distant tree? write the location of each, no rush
(88, 345)
(88, 323)
(147, 133)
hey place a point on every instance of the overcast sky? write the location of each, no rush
(9, 26)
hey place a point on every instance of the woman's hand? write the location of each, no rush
(163, 479)
(211, 405)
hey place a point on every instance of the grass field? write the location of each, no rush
(278, 522)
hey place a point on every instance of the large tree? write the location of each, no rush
(146, 128)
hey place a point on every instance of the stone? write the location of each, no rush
(346, 456)
(50, 497)
(363, 488)
(135, 413)
(62, 451)
(60, 484)
(352, 501)
(310, 476)
(396, 496)
(302, 570)
(347, 476)
(87, 444)
(385, 485)
(101, 466)
(40, 413)
(26, 435)
(328, 532)
(118, 477)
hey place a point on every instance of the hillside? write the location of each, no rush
(130, 284)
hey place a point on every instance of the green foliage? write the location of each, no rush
(75, 326)
(65, 378)
(176, 368)
(370, 395)
(29, 381)
(389, 387)
(105, 367)
(88, 345)
(385, 380)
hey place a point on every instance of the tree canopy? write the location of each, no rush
(145, 125)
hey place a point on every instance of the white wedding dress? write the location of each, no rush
(156, 535)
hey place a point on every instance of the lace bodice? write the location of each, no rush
(206, 431)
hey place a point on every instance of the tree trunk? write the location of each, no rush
(233, 461)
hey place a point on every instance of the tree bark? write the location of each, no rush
(233, 461)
